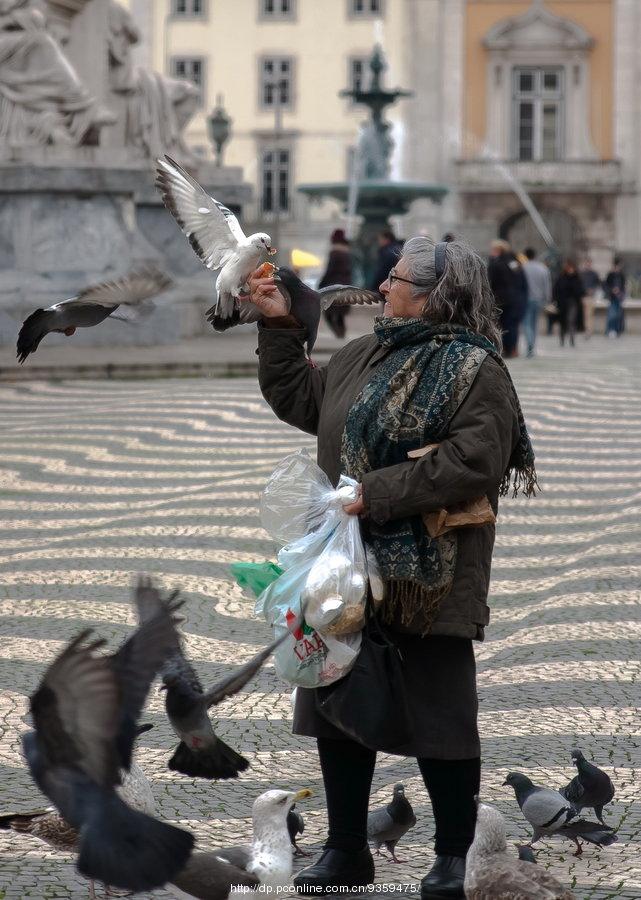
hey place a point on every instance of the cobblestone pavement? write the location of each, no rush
(102, 480)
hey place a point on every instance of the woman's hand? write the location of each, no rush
(265, 295)
(357, 508)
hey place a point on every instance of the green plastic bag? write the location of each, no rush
(255, 577)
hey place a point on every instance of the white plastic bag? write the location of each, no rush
(325, 572)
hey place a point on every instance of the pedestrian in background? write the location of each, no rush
(568, 296)
(509, 287)
(389, 253)
(592, 288)
(539, 283)
(337, 271)
(615, 292)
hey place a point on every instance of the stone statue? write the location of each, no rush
(375, 146)
(156, 108)
(42, 100)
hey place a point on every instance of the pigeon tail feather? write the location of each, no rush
(217, 761)
(128, 849)
(591, 832)
(222, 323)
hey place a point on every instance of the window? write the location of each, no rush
(366, 8)
(276, 179)
(277, 9)
(357, 73)
(276, 82)
(191, 68)
(538, 114)
(188, 7)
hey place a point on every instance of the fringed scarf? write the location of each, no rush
(409, 402)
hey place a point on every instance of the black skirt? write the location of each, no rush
(440, 682)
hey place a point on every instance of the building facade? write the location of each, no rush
(510, 96)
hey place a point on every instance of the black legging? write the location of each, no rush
(348, 769)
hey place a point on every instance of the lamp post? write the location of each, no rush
(219, 128)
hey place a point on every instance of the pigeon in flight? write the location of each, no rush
(295, 826)
(550, 813)
(200, 753)
(217, 238)
(83, 711)
(591, 787)
(492, 871)
(125, 298)
(388, 824)
(306, 304)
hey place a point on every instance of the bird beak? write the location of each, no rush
(272, 251)
(163, 687)
(505, 782)
(303, 795)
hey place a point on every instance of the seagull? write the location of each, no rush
(270, 856)
(305, 304)
(84, 712)
(125, 298)
(209, 877)
(492, 871)
(200, 753)
(550, 813)
(591, 787)
(388, 824)
(295, 826)
(217, 239)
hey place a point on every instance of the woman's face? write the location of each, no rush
(399, 301)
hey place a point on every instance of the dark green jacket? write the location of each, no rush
(469, 463)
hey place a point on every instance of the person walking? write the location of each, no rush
(509, 286)
(592, 289)
(389, 251)
(568, 296)
(539, 282)
(615, 285)
(430, 373)
(337, 271)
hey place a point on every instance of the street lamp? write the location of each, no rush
(219, 128)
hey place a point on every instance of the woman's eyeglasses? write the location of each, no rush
(392, 277)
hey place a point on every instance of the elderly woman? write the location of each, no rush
(431, 373)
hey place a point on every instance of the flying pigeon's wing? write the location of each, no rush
(347, 295)
(210, 878)
(545, 808)
(379, 824)
(131, 290)
(516, 879)
(238, 679)
(213, 230)
(76, 714)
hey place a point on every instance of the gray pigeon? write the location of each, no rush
(526, 853)
(389, 824)
(591, 787)
(200, 753)
(295, 826)
(83, 710)
(306, 304)
(491, 871)
(550, 814)
(125, 298)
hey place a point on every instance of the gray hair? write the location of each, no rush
(462, 296)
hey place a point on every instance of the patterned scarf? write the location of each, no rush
(408, 403)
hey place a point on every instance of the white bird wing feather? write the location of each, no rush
(213, 230)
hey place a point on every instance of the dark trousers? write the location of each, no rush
(348, 769)
(510, 326)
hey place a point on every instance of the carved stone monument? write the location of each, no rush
(80, 128)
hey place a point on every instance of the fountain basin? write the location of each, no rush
(381, 197)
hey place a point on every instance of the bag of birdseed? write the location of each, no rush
(320, 597)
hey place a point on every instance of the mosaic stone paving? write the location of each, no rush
(102, 480)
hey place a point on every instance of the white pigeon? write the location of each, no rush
(124, 298)
(217, 238)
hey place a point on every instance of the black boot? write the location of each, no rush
(445, 879)
(352, 868)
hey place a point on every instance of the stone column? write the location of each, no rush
(627, 111)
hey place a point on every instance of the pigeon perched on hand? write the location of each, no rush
(217, 239)
(551, 814)
(200, 753)
(83, 711)
(492, 871)
(591, 787)
(306, 304)
(295, 826)
(125, 298)
(389, 824)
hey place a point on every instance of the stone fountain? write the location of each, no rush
(378, 197)
(80, 128)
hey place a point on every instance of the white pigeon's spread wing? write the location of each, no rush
(131, 290)
(546, 808)
(347, 295)
(212, 229)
